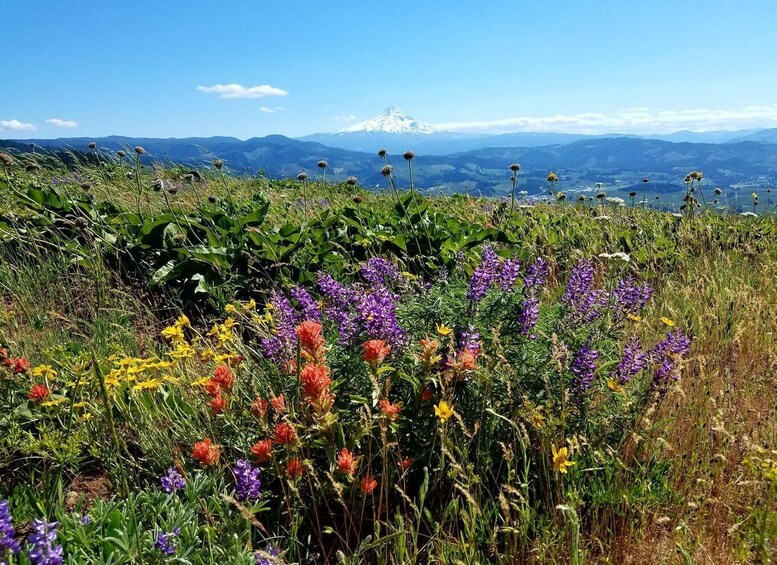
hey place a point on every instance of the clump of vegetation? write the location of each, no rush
(204, 368)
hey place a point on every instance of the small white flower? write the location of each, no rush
(617, 256)
(602, 218)
(749, 214)
(615, 201)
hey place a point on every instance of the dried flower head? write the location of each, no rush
(408, 155)
(158, 185)
(351, 181)
(92, 145)
(121, 154)
(552, 177)
(632, 194)
(646, 180)
(322, 164)
(6, 159)
(302, 176)
(139, 150)
(515, 167)
(600, 195)
(218, 163)
(382, 153)
(718, 191)
(387, 170)
(358, 199)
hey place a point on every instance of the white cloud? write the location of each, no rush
(15, 125)
(345, 118)
(271, 109)
(239, 91)
(64, 124)
(629, 120)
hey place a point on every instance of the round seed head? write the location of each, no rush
(387, 170)
(6, 160)
(139, 150)
(218, 163)
(92, 145)
(382, 152)
(552, 177)
(581, 198)
(121, 154)
(632, 194)
(302, 176)
(358, 199)
(408, 155)
(212, 199)
(31, 166)
(718, 191)
(158, 185)
(561, 196)
(172, 189)
(86, 185)
(600, 195)
(322, 164)
(515, 167)
(646, 180)
(351, 181)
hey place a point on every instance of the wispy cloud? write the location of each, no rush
(240, 91)
(271, 109)
(64, 124)
(628, 120)
(345, 118)
(15, 125)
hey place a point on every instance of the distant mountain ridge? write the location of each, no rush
(392, 120)
(618, 162)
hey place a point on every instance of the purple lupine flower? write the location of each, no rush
(470, 341)
(8, 540)
(340, 300)
(483, 275)
(167, 542)
(511, 270)
(269, 550)
(630, 296)
(306, 303)
(379, 272)
(44, 550)
(665, 355)
(172, 481)
(583, 368)
(280, 348)
(536, 274)
(632, 361)
(528, 314)
(247, 482)
(580, 283)
(86, 519)
(377, 313)
(580, 295)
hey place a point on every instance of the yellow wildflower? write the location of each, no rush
(173, 333)
(46, 371)
(56, 402)
(151, 384)
(560, 461)
(86, 416)
(201, 382)
(667, 321)
(635, 317)
(183, 321)
(443, 411)
(442, 329)
(537, 419)
(79, 405)
(230, 309)
(250, 305)
(614, 385)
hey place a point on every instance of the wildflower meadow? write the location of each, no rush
(199, 366)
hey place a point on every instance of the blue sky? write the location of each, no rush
(133, 68)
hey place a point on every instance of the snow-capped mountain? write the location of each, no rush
(392, 120)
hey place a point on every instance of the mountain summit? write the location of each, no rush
(392, 120)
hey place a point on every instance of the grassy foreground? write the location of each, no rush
(207, 369)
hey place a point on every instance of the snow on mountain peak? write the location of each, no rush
(392, 120)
